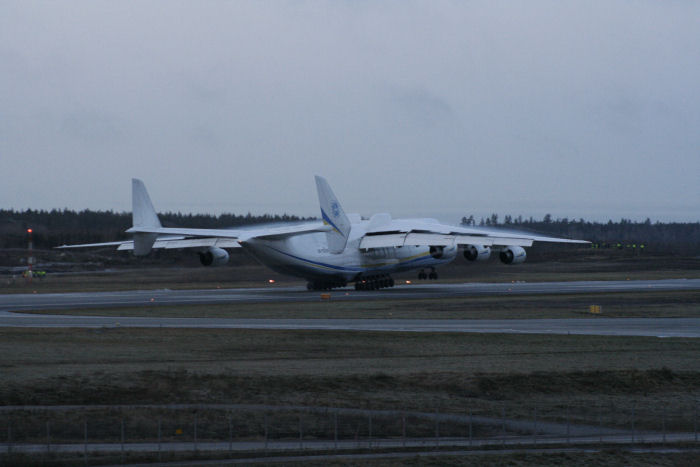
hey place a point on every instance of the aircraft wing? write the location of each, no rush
(236, 234)
(170, 238)
(168, 242)
(431, 233)
(171, 243)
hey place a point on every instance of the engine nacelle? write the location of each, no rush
(437, 252)
(477, 252)
(512, 255)
(213, 256)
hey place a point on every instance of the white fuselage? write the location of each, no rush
(308, 256)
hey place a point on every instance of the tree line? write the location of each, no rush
(673, 237)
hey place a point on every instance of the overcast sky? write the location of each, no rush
(579, 109)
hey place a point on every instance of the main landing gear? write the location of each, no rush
(432, 275)
(374, 282)
(326, 284)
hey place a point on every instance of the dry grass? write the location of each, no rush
(452, 372)
(31, 353)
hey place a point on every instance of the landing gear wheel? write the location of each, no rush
(377, 282)
(422, 275)
(432, 276)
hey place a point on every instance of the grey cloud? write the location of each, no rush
(94, 127)
(423, 108)
(445, 108)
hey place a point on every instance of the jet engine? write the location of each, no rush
(477, 252)
(512, 255)
(437, 251)
(213, 256)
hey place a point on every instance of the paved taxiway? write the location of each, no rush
(659, 327)
(656, 327)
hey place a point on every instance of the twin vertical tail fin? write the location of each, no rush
(333, 215)
(143, 216)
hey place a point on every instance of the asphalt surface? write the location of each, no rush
(331, 445)
(657, 327)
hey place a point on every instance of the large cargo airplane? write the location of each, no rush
(340, 249)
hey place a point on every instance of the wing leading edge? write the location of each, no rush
(421, 232)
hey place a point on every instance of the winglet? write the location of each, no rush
(333, 215)
(143, 216)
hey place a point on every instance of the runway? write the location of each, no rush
(656, 327)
